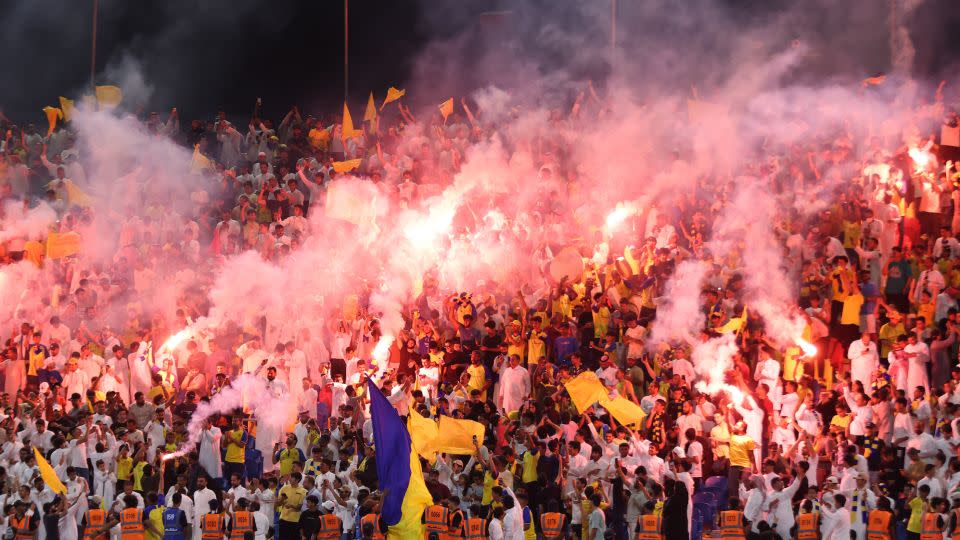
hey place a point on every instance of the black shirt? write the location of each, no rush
(309, 522)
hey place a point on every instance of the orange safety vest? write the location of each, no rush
(929, 529)
(330, 526)
(731, 524)
(212, 526)
(375, 520)
(436, 517)
(808, 526)
(22, 523)
(476, 529)
(242, 523)
(455, 532)
(96, 519)
(650, 526)
(131, 524)
(551, 524)
(878, 525)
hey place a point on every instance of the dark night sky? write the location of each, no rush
(221, 54)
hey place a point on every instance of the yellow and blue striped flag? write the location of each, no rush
(405, 494)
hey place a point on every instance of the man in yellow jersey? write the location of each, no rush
(236, 441)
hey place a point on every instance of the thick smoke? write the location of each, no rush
(627, 123)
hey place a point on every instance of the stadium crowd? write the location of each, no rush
(855, 440)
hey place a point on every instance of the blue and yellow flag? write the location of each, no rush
(405, 495)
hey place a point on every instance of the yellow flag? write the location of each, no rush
(109, 96)
(75, 195)
(423, 433)
(392, 95)
(48, 474)
(63, 245)
(625, 411)
(371, 113)
(734, 324)
(346, 166)
(200, 162)
(446, 109)
(33, 252)
(456, 436)
(53, 114)
(348, 131)
(66, 105)
(585, 390)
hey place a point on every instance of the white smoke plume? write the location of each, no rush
(17, 220)
(272, 412)
(680, 315)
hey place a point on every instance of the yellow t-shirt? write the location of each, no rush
(916, 515)
(843, 422)
(488, 482)
(319, 138)
(601, 321)
(155, 517)
(138, 475)
(741, 447)
(235, 450)
(536, 347)
(478, 379)
(124, 468)
(295, 496)
(927, 311)
(288, 457)
(851, 234)
(530, 461)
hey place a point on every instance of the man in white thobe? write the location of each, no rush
(864, 359)
(514, 385)
(201, 503)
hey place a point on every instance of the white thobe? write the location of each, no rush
(514, 387)
(210, 452)
(864, 360)
(917, 366)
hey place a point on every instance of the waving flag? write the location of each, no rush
(398, 469)
(370, 114)
(348, 131)
(446, 109)
(392, 95)
(456, 436)
(53, 114)
(585, 389)
(66, 105)
(48, 474)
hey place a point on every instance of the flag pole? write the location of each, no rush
(346, 48)
(93, 46)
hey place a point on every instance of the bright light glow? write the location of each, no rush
(809, 349)
(736, 395)
(173, 341)
(381, 352)
(921, 158)
(617, 217)
(168, 457)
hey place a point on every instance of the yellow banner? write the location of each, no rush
(109, 96)
(346, 166)
(63, 245)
